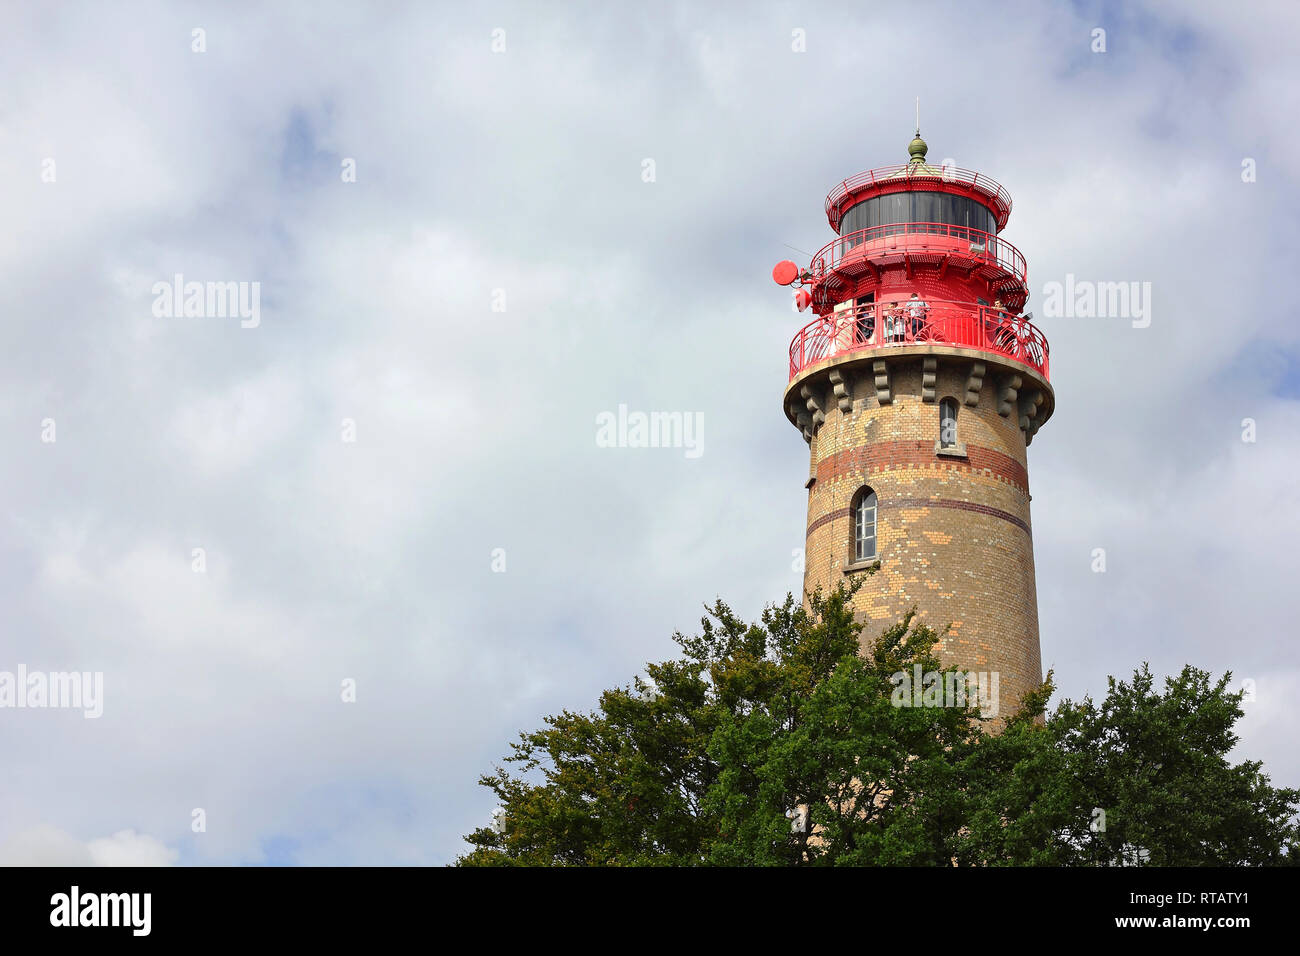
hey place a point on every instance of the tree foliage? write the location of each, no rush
(781, 743)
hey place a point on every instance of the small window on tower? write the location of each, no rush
(948, 423)
(864, 525)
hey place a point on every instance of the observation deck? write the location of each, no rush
(957, 324)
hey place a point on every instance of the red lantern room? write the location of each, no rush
(917, 259)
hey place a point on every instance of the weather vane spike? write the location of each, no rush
(918, 116)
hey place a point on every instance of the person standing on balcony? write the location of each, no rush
(865, 323)
(918, 312)
(893, 324)
(993, 318)
(1001, 332)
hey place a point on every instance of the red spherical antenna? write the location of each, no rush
(785, 272)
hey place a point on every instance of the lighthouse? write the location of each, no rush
(919, 385)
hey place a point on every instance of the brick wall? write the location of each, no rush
(953, 534)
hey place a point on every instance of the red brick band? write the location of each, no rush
(865, 459)
(927, 503)
(960, 506)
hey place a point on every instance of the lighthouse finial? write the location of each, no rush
(916, 149)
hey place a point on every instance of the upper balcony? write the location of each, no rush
(958, 324)
(918, 176)
(977, 253)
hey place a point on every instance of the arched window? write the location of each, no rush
(864, 525)
(948, 423)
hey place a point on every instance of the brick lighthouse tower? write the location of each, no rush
(918, 387)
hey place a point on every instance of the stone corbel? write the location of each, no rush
(929, 375)
(801, 419)
(883, 395)
(1029, 406)
(974, 382)
(805, 423)
(1010, 388)
(842, 386)
(816, 405)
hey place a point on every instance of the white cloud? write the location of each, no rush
(50, 846)
(521, 172)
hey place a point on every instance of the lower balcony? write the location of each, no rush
(960, 324)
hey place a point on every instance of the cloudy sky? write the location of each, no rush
(499, 273)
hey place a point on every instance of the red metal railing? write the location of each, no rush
(914, 238)
(910, 176)
(963, 324)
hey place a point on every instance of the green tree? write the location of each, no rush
(783, 743)
(622, 786)
(1157, 765)
(806, 725)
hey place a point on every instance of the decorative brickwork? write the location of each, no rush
(953, 531)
